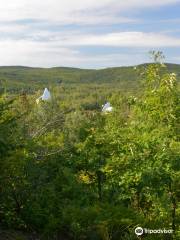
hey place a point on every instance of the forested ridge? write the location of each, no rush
(18, 78)
(71, 172)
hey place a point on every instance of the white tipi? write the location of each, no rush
(45, 97)
(107, 107)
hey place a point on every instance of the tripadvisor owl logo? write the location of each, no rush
(139, 231)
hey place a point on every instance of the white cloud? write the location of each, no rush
(38, 47)
(36, 54)
(12, 28)
(125, 39)
(74, 11)
(61, 50)
(117, 39)
(29, 53)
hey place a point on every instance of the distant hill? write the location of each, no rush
(15, 78)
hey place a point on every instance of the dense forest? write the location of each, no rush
(70, 172)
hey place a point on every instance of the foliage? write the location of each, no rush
(69, 171)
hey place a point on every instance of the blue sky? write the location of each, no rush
(88, 33)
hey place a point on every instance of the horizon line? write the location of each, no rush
(83, 68)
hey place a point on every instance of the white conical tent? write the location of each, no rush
(107, 107)
(45, 97)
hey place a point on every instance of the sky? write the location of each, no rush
(88, 33)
